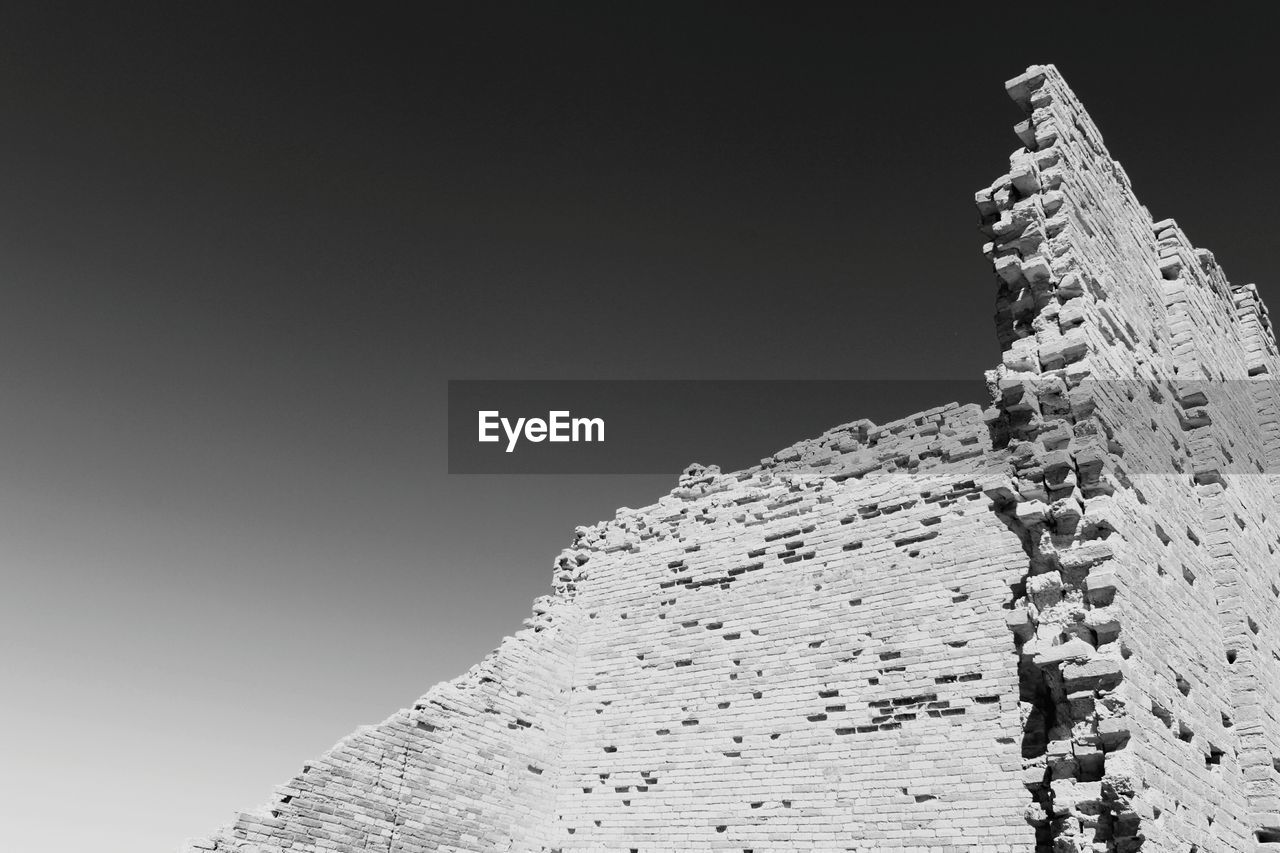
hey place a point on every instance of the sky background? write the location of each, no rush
(244, 246)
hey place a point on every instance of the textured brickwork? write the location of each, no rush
(1047, 625)
(1136, 403)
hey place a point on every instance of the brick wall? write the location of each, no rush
(1048, 625)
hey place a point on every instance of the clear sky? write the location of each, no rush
(243, 247)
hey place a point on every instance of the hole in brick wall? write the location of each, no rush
(924, 798)
(1214, 758)
(1164, 714)
(1184, 686)
(1267, 836)
(1253, 626)
(1226, 721)
(1165, 538)
(1231, 655)
(1195, 540)
(1188, 575)
(1185, 734)
(854, 602)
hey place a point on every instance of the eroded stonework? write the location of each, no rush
(1047, 625)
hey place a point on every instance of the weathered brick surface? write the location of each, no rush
(1048, 625)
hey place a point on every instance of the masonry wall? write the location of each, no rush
(1135, 400)
(1048, 625)
(808, 655)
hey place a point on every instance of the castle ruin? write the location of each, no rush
(1047, 625)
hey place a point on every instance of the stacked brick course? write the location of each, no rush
(1048, 625)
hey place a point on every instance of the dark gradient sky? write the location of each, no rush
(243, 247)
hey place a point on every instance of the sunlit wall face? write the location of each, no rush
(241, 251)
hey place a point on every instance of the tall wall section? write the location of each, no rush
(1136, 403)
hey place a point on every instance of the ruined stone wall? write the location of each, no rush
(1135, 401)
(808, 655)
(1049, 625)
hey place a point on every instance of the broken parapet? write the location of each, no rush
(1048, 625)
